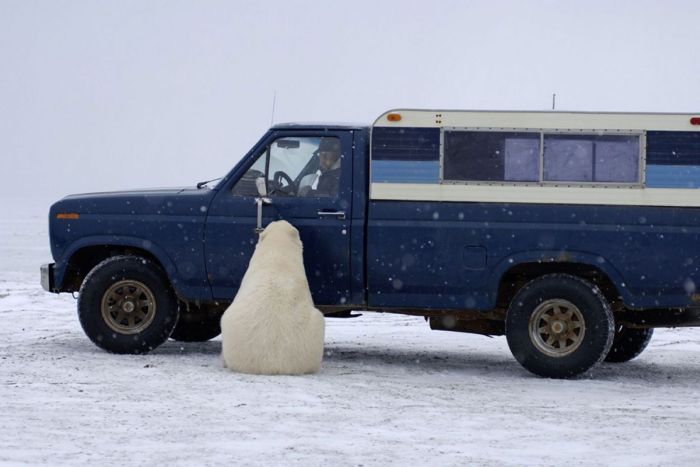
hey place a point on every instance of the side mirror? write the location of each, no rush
(260, 200)
(261, 186)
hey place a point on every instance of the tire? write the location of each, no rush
(628, 343)
(196, 325)
(559, 326)
(127, 306)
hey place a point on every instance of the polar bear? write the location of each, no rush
(272, 326)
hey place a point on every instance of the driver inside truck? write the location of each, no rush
(327, 177)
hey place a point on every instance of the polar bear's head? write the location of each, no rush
(280, 231)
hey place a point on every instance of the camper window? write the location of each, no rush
(491, 156)
(591, 158)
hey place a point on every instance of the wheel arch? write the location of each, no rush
(87, 253)
(513, 272)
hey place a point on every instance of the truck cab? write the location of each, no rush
(330, 220)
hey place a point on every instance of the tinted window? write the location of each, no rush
(568, 159)
(617, 160)
(591, 158)
(491, 156)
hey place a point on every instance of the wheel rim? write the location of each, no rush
(557, 327)
(128, 307)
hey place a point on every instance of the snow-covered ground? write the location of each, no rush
(390, 391)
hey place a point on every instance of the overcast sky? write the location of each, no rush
(104, 95)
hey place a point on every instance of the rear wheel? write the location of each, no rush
(559, 326)
(126, 305)
(628, 343)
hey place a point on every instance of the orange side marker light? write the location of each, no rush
(67, 215)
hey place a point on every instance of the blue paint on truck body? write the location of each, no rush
(169, 224)
(387, 253)
(426, 254)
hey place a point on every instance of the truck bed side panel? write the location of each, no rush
(451, 255)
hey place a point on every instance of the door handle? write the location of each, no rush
(337, 214)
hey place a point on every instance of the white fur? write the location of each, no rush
(272, 326)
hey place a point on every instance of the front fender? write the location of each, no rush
(151, 247)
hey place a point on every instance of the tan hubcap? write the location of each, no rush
(557, 327)
(128, 307)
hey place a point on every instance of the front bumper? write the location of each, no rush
(47, 280)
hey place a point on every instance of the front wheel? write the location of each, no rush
(127, 306)
(559, 326)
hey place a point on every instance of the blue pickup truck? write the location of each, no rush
(572, 234)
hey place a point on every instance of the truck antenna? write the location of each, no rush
(554, 101)
(274, 100)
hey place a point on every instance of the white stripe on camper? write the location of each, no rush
(536, 194)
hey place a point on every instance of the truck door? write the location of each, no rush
(310, 188)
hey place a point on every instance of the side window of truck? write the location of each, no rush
(490, 156)
(541, 157)
(300, 166)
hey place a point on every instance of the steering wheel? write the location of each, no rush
(280, 177)
(277, 180)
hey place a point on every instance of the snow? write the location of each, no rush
(390, 391)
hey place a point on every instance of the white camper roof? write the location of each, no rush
(554, 120)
